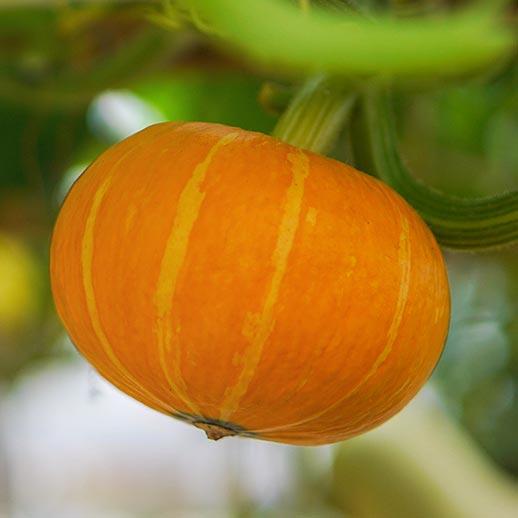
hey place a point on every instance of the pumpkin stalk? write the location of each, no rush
(316, 114)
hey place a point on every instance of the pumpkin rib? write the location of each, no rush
(257, 327)
(59, 300)
(187, 211)
(221, 195)
(87, 260)
(334, 433)
(93, 313)
(162, 160)
(392, 331)
(404, 258)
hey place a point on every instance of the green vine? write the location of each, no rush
(460, 223)
(279, 34)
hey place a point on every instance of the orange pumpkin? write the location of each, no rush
(247, 286)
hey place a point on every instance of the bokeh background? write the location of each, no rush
(75, 77)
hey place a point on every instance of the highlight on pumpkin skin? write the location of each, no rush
(248, 287)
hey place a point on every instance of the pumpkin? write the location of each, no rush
(248, 287)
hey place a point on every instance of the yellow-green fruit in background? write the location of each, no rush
(18, 275)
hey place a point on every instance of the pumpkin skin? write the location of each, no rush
(247, 286)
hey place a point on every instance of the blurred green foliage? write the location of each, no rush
(225, 97)
(36, 144)
(474, 126)
(478, 373)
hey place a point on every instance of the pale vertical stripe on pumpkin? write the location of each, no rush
(167, 332)
(404, 259)
(87, 253)
(258, 326)
(404, 284)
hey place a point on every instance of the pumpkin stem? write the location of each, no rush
(214, 431)
(316, 114)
